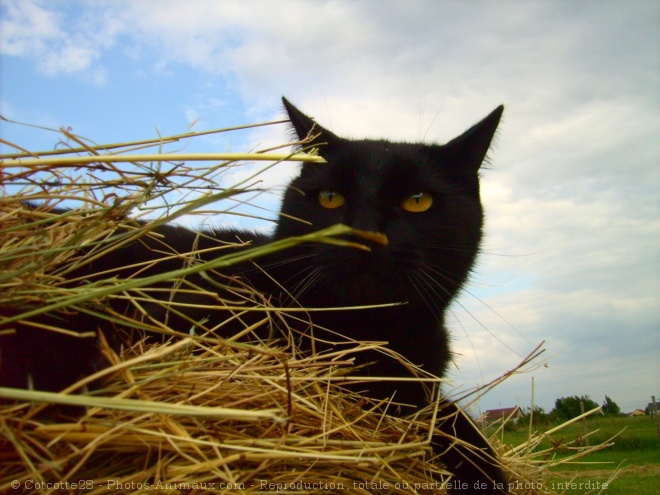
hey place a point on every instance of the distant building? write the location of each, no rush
(506, 413)
(651, 409)
(637, 412)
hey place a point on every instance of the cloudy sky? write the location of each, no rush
(571, 254)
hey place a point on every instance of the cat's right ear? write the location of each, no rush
(471, 147)
(305, 126)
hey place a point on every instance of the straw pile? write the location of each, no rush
(193, 414)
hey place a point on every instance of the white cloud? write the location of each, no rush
(27, 28)
(69, 58)
(58, 45)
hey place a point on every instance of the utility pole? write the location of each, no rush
(584, 424)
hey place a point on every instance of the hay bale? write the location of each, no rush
(183, 414)
(193, 414)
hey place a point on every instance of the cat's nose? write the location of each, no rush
(365, 218)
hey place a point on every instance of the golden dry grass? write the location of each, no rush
(193, 414)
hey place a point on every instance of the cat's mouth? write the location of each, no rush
(364, 276)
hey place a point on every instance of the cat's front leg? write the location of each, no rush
(467, 454)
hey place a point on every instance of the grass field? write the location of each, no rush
(635, 455)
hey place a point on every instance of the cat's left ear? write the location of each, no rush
(304, 125)
(471, 147)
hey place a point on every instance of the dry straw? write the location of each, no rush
(194, 414)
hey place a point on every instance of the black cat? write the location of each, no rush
(423, 200)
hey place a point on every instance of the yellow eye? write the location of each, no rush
(331, 199)
(417, 203)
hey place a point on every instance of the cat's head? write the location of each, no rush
(423, 197)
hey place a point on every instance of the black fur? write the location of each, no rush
(424, 265)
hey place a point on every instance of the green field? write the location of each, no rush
(635, 453)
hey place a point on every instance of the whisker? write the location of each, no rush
(307, 282)
(436, 271)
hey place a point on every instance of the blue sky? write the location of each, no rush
(571, 254)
